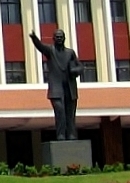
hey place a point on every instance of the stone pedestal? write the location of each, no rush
(63, 153)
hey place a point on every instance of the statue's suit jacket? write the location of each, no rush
(58, 68)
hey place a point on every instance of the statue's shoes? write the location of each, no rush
(61, 137)
(72, 137)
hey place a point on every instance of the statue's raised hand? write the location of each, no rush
(32, 34)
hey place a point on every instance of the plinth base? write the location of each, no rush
(63, 153)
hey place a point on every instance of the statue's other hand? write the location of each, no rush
(32, 34)
(75, 69)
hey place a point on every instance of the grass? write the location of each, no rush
(120, 177)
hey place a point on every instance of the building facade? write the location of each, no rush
(99, 32)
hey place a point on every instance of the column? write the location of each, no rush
(2, 59)
(37, 148)
(111, 134)
(66, 21)
(33, 59)
(109, 40)
(100, 43)
(3, 150)
(128, 13)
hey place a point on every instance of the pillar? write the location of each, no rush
(66, 21)
(3, 149)
(111, 134)
(37, 149)
(100, 43)
(128, 13)
(109, 40)
(33, 59)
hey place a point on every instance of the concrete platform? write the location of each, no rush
(63, 153)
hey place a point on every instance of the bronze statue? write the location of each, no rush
(63, 67)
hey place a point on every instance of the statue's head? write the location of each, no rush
(59, 37)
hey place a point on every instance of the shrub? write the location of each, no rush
(56, 170)
(86, 170)
(4, 170)
(31, 171)
(128, 167)
(108, 168)
(96, 169)
(73, 169)
(118, 167)
(45, 170)
(18, 169)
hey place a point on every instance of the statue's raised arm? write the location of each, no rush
(43, 48)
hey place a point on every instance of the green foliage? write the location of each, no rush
(86, 170)
(18, 169)
(56, 170)
(4, 170)
(73, 169)
(128, 167)
(108, 168)
(118, 167)
(96, 168)
(31, 171)
(45, 170)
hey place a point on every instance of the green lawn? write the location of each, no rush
(120, 177)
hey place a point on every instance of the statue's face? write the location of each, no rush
(59, 37)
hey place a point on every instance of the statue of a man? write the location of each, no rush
(63, 67)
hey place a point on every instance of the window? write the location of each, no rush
(123, 70)
(89, 72)
(118, 10)
(47, 11)
(11, 13)
(15, 72)
(45, 71)
(82, 10)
